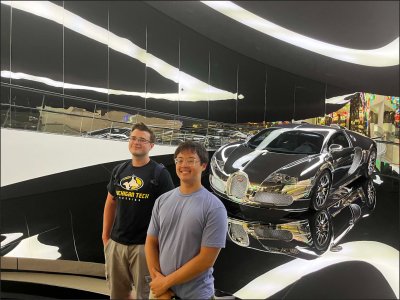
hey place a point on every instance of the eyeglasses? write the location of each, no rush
(139, 140)
(189, 161)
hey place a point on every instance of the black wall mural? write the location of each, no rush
(130, 54)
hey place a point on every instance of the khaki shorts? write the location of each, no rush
(126, 266)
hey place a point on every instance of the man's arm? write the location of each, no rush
(193, 268)
(108, 217)
(153, 263)
(152, 255)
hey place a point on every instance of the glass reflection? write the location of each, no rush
(309, 235)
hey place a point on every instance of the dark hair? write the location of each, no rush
(195, 147)
(142, 127)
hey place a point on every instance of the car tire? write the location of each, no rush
(321, 230)
(321, 190)
(370, 165)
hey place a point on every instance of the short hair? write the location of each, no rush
(195, 147)
(142, 127)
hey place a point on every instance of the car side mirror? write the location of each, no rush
(335, 147)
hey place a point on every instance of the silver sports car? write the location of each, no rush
(291, 168)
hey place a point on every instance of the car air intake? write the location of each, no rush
(217, 183)
(237, 186)
(238, 235)
(273, 198)
(264, 232)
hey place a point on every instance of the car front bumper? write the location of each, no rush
(287, 198)
(292, 238)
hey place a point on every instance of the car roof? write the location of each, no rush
(320, 129)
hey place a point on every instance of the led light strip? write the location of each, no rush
(167, 96)
(381, 57)
(190, 88)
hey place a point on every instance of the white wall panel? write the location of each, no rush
(28, 154)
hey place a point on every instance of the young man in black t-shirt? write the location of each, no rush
(132, 191)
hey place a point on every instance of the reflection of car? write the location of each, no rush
(292, 167)
(237, 135)
(111, 133)
(214, 142)
(177, 137)
(312, 233)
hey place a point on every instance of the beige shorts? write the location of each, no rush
(126, 266)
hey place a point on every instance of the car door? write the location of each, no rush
(342, 159)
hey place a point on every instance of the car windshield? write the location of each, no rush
(287, 140)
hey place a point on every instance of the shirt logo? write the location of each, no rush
(131, 183)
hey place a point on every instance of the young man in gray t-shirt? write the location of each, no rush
(187, 230)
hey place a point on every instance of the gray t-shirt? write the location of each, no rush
(183, 224)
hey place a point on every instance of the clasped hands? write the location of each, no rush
(159, 287)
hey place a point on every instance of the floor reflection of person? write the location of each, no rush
(133, 188)
(186, 232)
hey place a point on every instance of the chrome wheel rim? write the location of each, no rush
(371, 163)
(322, 189)
(322, 229)
(370, 193)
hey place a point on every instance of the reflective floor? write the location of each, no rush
(365, 265)
(59, 217)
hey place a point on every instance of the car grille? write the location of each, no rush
(273, 198)
(237, 185)
(273, 234)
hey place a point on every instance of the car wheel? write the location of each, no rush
(370, 194)
(321, 230)
(370, 167)
(321, 191)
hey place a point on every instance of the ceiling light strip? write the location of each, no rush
(190, 88)
(385, 56)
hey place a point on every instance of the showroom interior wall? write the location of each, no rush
(40, 47)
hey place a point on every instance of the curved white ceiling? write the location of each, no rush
(381, 57)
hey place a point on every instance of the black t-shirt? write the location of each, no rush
(135, 196)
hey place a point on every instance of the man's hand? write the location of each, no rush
(159, 284)
(105, 241)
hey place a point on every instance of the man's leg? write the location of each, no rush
(140, 272)
(117, 270)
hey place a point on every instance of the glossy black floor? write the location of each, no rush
(237, 266)
(65, 210)
(26, 290)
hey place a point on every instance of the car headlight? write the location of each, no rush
(282, 178)
(216, 163)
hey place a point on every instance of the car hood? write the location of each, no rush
(259, 164)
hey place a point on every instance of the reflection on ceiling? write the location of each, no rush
(340, 99)
(381, 57)
(10, 237)
(381, 256)
(190, 88)
(32, 248)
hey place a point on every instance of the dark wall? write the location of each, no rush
(37, 46)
